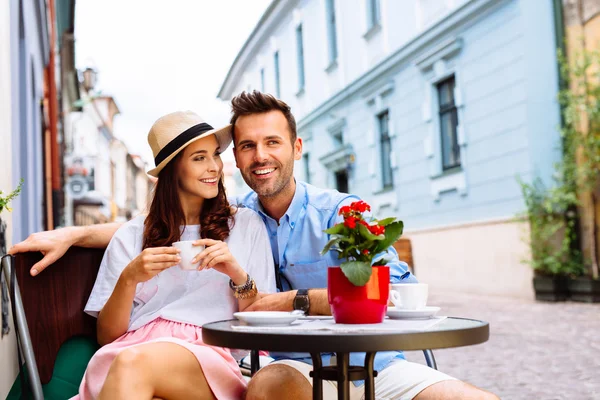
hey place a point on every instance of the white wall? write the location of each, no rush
(119, 158)
(8, 345)
(481, 258)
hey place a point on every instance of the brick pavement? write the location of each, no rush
(541, 351)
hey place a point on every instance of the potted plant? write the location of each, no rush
(581, 160)
(552, 236)
(358, 289)
(4, 201)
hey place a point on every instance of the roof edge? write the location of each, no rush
(262, 27)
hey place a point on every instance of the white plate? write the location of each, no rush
(266, 317)
(426, 312)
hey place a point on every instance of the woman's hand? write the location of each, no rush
(217, 256)
(149, 263)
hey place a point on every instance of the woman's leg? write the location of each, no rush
(164, 370)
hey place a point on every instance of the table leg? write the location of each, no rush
(430, 358)
(343, 383)
(370, 379)
(254, 362)
(316, 376)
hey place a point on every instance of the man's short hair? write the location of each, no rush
(255, 103)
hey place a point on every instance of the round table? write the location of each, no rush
(451, 332)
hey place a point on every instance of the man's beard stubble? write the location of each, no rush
(278, 185)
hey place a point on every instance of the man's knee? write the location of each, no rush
(455, 389)
(278, 382)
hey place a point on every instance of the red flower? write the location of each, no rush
(366, 252)
(360, 206)
(345, 210)
(376, 229)
(350, 222)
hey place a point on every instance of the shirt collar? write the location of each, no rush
(293, 211)
(298, 203)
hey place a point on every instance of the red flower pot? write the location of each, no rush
(358, 304)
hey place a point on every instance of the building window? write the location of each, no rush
(306, 161)
(385, 150)
(276, 61)
(300, 51)
(448, 124)
(341, 181)
(373, 13)
(338, 139)
(262, 80)
(331, 30)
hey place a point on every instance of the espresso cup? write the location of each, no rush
(187, 252)
(409, 296)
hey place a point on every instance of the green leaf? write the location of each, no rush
(357, 272)
(383, 261)
(336, 229)
(392, 233)
(386, 221)
(331, 243)
(365, 233)
(5, 200)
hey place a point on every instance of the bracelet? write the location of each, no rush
(245, 291)
(244, 286)
(248, 294)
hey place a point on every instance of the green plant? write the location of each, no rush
(552, 212)
(359, 240)
(581, 139)
(4, 200)
(552, 229)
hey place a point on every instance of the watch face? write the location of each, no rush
(301, 303)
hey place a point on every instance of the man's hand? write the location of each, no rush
(282, 301)
(52, 244)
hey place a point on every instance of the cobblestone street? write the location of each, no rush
(539, 351)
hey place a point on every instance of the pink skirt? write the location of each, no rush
(219, 367)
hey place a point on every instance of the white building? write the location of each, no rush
(427, 109)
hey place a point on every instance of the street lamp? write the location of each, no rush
(89, 78)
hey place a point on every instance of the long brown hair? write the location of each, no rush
(165, 215)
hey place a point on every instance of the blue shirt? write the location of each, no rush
(297, 240)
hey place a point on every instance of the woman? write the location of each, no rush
(149, 313)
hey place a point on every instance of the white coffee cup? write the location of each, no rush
(409, 296)
(187, 252)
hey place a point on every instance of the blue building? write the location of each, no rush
(429, 110)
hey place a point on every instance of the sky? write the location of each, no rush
(155, 57)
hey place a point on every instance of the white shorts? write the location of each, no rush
(401, 380)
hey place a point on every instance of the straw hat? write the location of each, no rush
(173, 132)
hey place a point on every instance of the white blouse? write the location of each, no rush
(194, 297)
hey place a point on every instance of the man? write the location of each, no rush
(295, 213)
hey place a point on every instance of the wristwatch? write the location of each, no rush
(301, 301)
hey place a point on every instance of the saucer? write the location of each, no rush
(426, 312)
(266, 317)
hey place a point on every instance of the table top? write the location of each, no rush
(451, 332)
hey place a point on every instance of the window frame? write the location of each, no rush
(306, 161)
(451, 109)
(373, 14)
(385, 138)
(331, 22)
(300, 57)
(276, 74)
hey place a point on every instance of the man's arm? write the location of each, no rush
(54, 244)
(284, 301)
